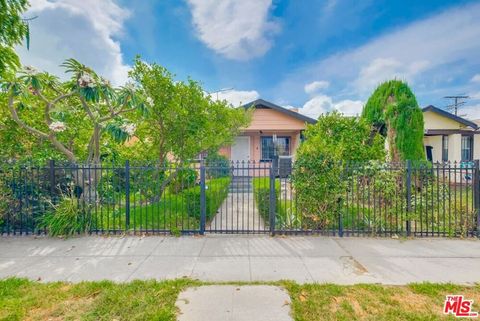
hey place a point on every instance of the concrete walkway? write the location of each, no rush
(234, 303)
(237, 212)
(242, 258)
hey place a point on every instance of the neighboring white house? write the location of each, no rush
(449, 137)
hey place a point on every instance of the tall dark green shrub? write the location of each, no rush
(393, 111)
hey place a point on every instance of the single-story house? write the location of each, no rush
(449, 137)
(270, 123)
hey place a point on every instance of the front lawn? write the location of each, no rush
(174, 212)
(21, 299)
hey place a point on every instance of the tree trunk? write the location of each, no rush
(86, 179)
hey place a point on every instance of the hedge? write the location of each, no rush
(216, 191)
(261, 191)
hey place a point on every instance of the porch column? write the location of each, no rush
(476, 146)
(455, 147)
(296, 144)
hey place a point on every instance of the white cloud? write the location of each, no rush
(475, 78)
(349, 107)
(382, 69)
(84, 30)
(475, 95)
(316, 86)
(472, 112)
(321, 104)
(317, 105)
(237, 97)
(426, 52)
(238, 30)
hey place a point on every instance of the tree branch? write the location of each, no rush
(51, 137)
(50, 104)
(87, 109)
(122, 111)
(15, 117)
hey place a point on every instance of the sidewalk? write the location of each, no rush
(242, 258)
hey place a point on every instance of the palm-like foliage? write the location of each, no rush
(85, 102)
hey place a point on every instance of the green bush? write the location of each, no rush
(217, 165)
(319, 177)
(319, 189)
(216, 191)
(66, 218)
(261, 191)
(184, 179)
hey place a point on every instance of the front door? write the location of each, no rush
(241, 149)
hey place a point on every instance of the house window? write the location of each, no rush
(445, 148)
(467, 148)
(270, 150)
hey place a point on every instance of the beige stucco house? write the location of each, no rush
(269, 123)
(449, 137)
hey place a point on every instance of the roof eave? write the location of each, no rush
(456, 118)
(264, 103)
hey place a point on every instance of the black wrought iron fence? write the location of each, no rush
(386, 199)
(374, 199)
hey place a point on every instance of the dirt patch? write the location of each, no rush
(72, 308)
(413, 302)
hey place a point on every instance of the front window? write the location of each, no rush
(445, 148)
(270, 149)
(467, 148)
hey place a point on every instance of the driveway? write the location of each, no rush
(242, 258)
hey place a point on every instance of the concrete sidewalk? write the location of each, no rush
(242, 258)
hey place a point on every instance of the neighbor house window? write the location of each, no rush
(467, 148)
(445, 148)
(282, 147)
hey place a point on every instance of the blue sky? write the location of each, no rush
(315, 55)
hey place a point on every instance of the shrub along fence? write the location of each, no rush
(369, 198)
(384, 199)
(65, 199)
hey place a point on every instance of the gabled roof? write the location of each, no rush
(266, 104)
(451, 116)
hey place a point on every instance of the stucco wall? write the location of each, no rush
(255, 143)
(272, 120)
(435, 121)
(476, 146)
(269, 122)
(455, 148)
(436, 143)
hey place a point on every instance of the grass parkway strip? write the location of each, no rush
(22, 299)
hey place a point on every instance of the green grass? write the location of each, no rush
(374, 302)
(22, 299)
(173, 212)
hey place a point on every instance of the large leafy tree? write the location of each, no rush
(13, 30)
(182, 121)
(393, 111)
(74, 118)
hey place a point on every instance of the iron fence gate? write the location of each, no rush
(376, 199)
